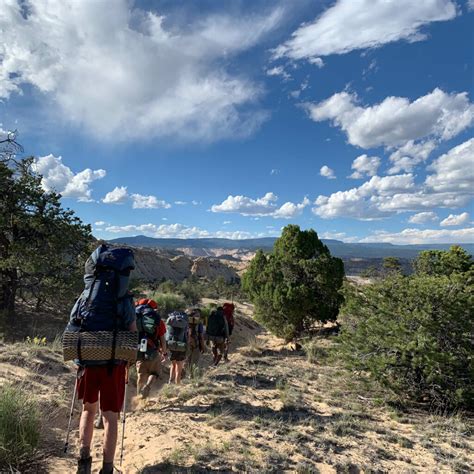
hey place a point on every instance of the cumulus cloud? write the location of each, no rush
(171, 79)
(179, 231)
(364, 166)
(454, 171)
(60, 178)
(450, 185)
(423, 217)
(363, 202)
(100, 223)
(120, 195)
(426, 236)
(359, 24)
(396, 121)
(327, 172)
(455, 219)
(264, 206)
(407, 157)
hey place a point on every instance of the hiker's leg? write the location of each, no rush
(172, 371)
(110, 435)
(86, 425)
(179, 370)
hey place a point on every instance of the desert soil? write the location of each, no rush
(268, 410)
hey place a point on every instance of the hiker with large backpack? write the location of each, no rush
(151, 332)
(217, 331)
(101, 337)
(228, 309)
(177, 342)
(195, 338)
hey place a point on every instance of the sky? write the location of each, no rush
(233, 119)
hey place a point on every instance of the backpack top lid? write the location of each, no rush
(118, 259)
(228, 309)
(177, 319)
(147, 302)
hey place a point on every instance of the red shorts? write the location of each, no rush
(110, 385)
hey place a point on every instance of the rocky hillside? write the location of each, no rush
(155, 265)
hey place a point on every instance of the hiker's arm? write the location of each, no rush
(163, 344)
(226, 326)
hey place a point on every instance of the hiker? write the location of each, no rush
(195, 339)
(217, 331)
(151, 331)
(177, 342)
(228, 309)
(105, 305)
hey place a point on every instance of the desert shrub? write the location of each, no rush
(19, 426)
(414, 334)
(168, 302)
(296, 285)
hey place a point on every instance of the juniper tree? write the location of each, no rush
(296, 285)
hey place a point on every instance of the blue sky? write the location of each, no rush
(233, 119)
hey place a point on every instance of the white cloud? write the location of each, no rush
(60, 178)
(227, 222)
(278, 71)
(455, 219)
(100, 223)
(470, 4)
(338, 236)
(274, 172)
(396, 121)
(171, 79)
(423, 217)
(317, 62)
(119, 195)
(148, 202)
(327, 172)
(195, 203)
(179, 231)
(454, 171)
(264, 206)
(180, 203)
(426, 236)
(365, 165)
(450, 185)
(359, 24)
(363, 202)
(407, 157)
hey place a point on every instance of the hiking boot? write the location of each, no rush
(84, 466)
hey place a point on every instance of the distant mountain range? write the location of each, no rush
(337, 247)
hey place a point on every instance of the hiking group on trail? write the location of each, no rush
(108, 332)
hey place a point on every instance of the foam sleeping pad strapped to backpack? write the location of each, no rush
(105, 301)
(177, 331)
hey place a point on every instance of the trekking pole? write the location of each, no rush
(66, 444)
(123, 416)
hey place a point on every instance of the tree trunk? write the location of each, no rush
(8, 290)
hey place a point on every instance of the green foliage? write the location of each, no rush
(441, 262)
(392, 265)
(296, 285)
(168, 302)
(42, 245)
(19, 426)
(414, 334)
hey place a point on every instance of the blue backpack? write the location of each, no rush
(177, 331)
(107, 274)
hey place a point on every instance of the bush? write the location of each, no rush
(414, 335)
(19, 426)
(296, 285)
(168, 302)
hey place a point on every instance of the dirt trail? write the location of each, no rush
(267, 410)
